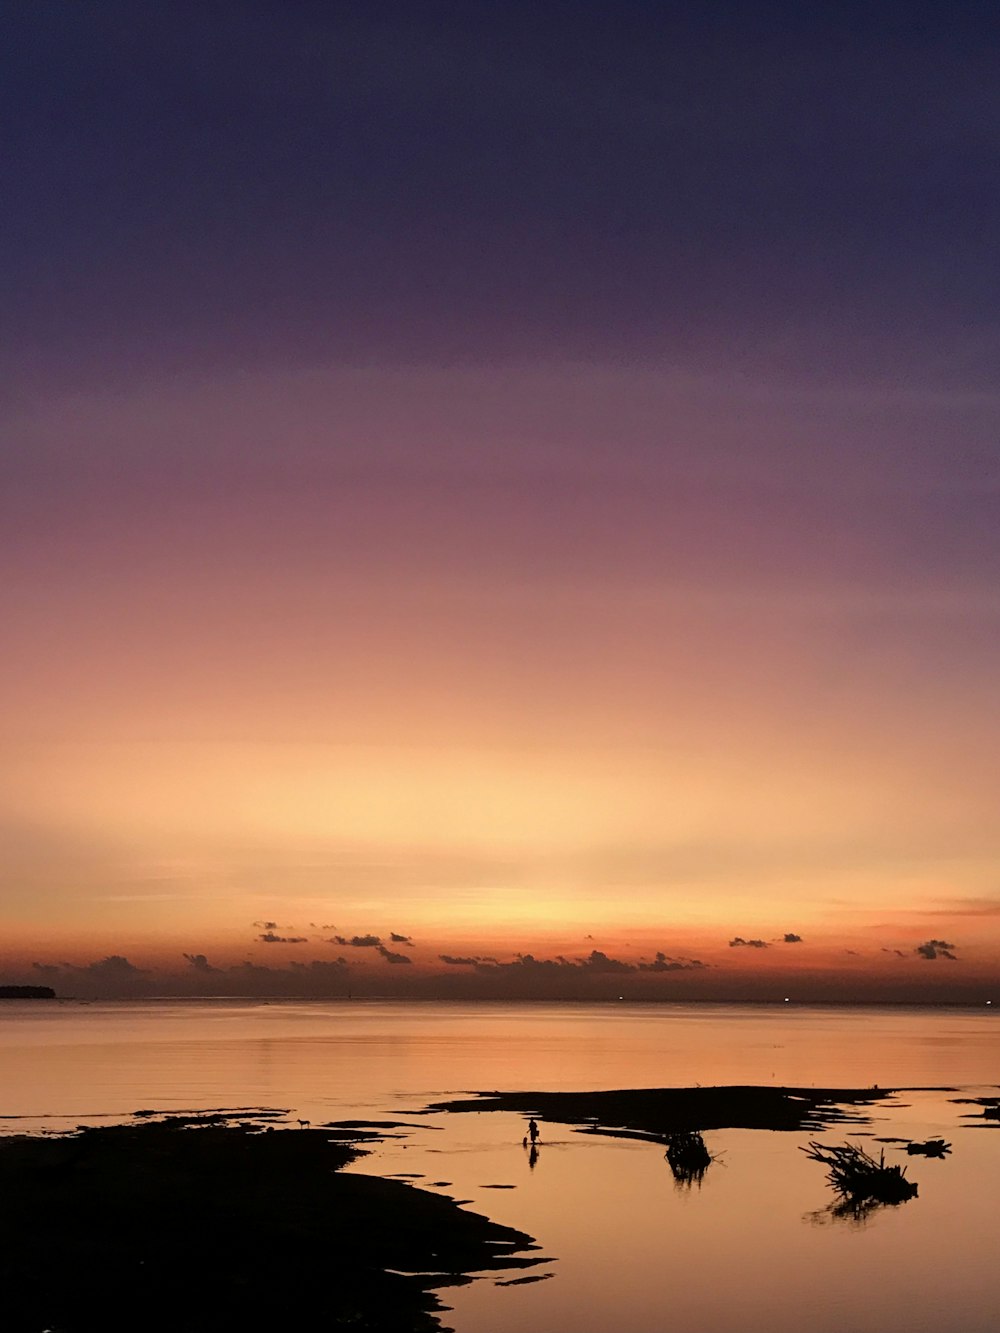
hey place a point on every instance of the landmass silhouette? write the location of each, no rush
(201, 1224)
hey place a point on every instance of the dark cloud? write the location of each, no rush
(896, 953)
(324, 968)
(112, 968)
(269, 937)
(401, 939)
(314, 979)
(740, 943)
(790, 938)
(105, 977)
(266, 925)
(200, 963)
(661, 963)
(363, 941)
(525, 963)
(391, 957)
(596, 962)
(594, 975)
(932, 949)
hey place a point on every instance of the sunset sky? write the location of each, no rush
(514, 484)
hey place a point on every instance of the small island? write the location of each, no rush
(27, 993)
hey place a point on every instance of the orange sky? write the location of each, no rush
(527, 494)
(522, 693)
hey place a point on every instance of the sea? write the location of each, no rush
(755, 1246)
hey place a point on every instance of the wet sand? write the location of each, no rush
(658, 1112)
(194, 1226)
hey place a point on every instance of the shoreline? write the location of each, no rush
(235, 1219)
(223, 1223)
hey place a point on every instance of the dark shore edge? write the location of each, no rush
(233, 1221)
(200, 1224)
(656, 1113)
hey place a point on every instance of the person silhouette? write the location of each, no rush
(533, 1132)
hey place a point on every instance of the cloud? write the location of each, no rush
(526, 963)
(391, 957)
(269, 937)
(103, 977)
(969, 907)
(740, 943)
(401, 939)
(897, 953)
(596, 962)
(316, 978)
(266, 925)
(454, 961)
(790, 938)
(200, 963)
(323, 968)
(932, 949)
(112, 968)
(661, 963)
(357, 941)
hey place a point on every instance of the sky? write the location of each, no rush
(500, 500)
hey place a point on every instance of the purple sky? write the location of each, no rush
(511, 471)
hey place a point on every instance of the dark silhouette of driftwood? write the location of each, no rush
(688, 1157)
(858, 1177)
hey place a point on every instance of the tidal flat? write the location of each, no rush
(658, 1112)
(193, 1223)
(238, 1220)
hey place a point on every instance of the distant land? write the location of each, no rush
(27, 993)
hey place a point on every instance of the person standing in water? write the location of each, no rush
(533, 1132)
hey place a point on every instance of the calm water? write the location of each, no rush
(753, 1250)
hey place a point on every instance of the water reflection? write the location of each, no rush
(855, 1212)
(633, 1255)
